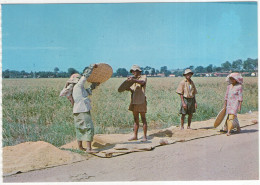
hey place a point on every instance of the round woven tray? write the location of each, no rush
(100, 74)
(220, 117)
(125, 85)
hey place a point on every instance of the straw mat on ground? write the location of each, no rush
(111, 145)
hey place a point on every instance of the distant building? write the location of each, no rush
(160, 75)
(221, 74)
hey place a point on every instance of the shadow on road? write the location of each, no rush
(247, 131)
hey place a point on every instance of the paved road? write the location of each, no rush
(213, 158)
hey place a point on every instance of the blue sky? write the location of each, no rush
(41, 37)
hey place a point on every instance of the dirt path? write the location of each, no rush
(213, 158)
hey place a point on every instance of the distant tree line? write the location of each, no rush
(249, 65)
(56, 73)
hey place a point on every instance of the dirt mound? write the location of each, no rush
(35, 155)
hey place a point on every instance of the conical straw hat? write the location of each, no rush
(100, 74)
(220, 117)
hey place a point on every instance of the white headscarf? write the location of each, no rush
(68, 88)
(236, 76)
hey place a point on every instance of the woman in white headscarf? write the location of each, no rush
(233, 101)
(78, 96)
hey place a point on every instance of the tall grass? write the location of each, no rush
(33, 110)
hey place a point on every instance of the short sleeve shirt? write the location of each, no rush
(187, 89)
(138, 96)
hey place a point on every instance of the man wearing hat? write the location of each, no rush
(74, 90)
(138, 103)
(187, 91)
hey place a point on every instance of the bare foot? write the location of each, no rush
(228, 133)
(144, 139)
(91, 151)
(188, 127)
(132, 139)
(82, 149)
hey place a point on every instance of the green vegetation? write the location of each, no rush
(246, 67)
(33, 110)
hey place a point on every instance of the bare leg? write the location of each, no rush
(225, 127)
(144, 126)
(238, 129)
(80, 146)
(182, 121)
(229, 124)
(89, 148)
(136, 126)
(228, 133)
(89, 145)
(237, 125)
(189, 121)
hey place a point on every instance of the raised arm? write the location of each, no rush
(92, 87)
(88, 70)
(86, 73)
(133, 79)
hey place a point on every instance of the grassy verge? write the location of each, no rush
(33, 110)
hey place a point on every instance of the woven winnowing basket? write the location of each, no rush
(125, 85)
(100, 74)
(220, 117)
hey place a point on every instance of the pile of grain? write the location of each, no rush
(35, 155)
